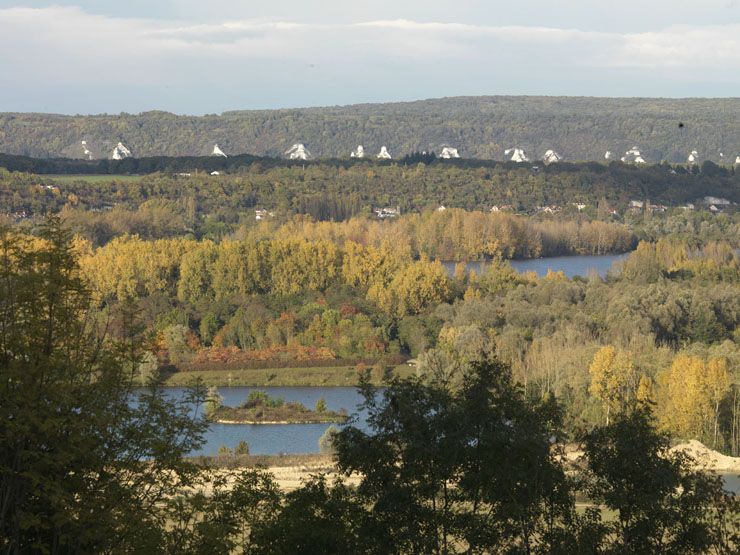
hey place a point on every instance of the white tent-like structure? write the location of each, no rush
(359, 152)
(120, 152)
(298, 152)
(384, 154)
(607, 155)
(218, 152)
(449, 152)
(633, 156)
(551, 157)
(517, 154)
(86, 150)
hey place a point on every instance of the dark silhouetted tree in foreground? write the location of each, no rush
(82, 467)
(467, 470)
(663, 504)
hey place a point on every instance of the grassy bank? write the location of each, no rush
(94, 178)
(340, 376)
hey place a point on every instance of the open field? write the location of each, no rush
(340, 376)
(96, 178)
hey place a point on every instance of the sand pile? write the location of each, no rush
(708, 458)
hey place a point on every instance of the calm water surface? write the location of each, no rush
(274, 439)
(570, 265)
(270, 439)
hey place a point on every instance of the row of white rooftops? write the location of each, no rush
(514, 154)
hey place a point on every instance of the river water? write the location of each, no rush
(570, 265)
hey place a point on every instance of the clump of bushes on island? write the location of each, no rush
(261, 408)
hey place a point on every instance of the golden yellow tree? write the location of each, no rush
(613, 378)
(692, 391)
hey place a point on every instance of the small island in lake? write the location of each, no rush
(260, 408)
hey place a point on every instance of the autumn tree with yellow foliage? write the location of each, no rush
(692, 390)
(613, 378)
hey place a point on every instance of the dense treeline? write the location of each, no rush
(74, 166)
(166, 205)
(458, 460)
(480, 127)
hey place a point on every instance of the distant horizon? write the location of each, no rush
(369, 103)
(186, 57)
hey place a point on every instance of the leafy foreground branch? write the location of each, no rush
(90, 465)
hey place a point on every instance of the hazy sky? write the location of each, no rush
(207, 56)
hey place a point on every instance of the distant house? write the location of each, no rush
(384, 154)
(581, 207)
(633, 156)
(551, 209)
(449, 152)
(551, 157)
(263, 214)
(502, 208)
(120, 152)
(516, 154)
(441, 208)
(717, 201)
(636, 205)
(214, 172)
(388, 212)
(298, 152)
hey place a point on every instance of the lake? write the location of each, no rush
(271, 439)
(570, 265)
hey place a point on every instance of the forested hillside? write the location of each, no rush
(211, 205)
(480, 127)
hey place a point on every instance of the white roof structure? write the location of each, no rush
(607, 155)
(214, 172)
(298, 152)
(218, 152)
(120, 152)
(359, 152)
(737, 160)
(717, 200)
(384, 154)
(633, 156)
(551, 157)
(693, 157)
(449, 152)
(86, 150)
(517, 154)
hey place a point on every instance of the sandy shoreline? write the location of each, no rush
(273, 422)
(291, 472)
